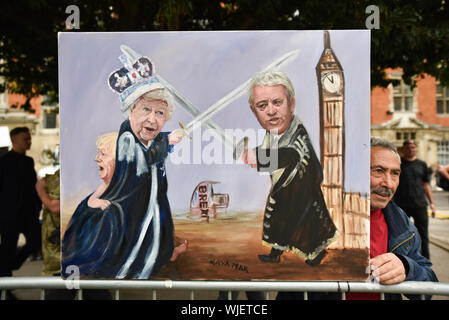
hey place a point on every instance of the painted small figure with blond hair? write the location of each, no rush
(105, 160)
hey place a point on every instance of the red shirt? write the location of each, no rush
(378, 245)
(378, 234)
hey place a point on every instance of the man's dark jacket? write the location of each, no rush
(18, 196)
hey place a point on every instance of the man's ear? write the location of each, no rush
(292, 104)
(252, 108)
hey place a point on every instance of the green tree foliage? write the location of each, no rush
(413, 35)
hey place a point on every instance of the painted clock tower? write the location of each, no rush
(332, 134)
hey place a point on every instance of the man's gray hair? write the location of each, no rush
(269, 79)
(384, 143)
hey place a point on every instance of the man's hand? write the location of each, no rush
(388, 268)
(429, 195)
(432, 207)
(249, 157)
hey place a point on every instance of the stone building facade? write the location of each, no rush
(43, 124)
(421, 113)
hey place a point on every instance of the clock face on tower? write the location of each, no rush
(331, 82)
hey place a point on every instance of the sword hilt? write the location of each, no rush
(184, 129)
(240, 148)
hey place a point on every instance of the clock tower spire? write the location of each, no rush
(327, 40)
(332, 133)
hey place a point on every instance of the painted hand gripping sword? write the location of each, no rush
(204, 118)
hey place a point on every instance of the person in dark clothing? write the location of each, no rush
(413, 190)
(20, 204)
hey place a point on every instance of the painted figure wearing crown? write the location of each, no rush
(125, 230)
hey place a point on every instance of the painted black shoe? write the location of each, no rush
(317, 260)
(269, 258)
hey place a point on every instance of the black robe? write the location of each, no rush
(296, 218)
(134, 237)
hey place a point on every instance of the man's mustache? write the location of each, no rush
(383, 191)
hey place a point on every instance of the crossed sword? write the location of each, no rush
(205, 117)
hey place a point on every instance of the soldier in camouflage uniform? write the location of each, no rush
(48, 190)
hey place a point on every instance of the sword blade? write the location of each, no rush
(240, 90)
(190, 108)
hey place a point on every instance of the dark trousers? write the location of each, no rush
(11, 257)
(33, 236)
(421, 220)
(8, 245)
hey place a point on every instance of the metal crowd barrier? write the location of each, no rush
(408, 287)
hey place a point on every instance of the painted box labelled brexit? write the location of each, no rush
(132, 207)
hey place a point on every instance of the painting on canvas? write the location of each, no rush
(215, 155)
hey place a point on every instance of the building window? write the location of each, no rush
(402, 97)
(442, 100)
(49, 118)
(404, 135)
(443, 152)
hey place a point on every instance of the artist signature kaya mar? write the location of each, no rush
(228, 264)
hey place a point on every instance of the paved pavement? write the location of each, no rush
(439, 231)
(439, 238)
(439, 251)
